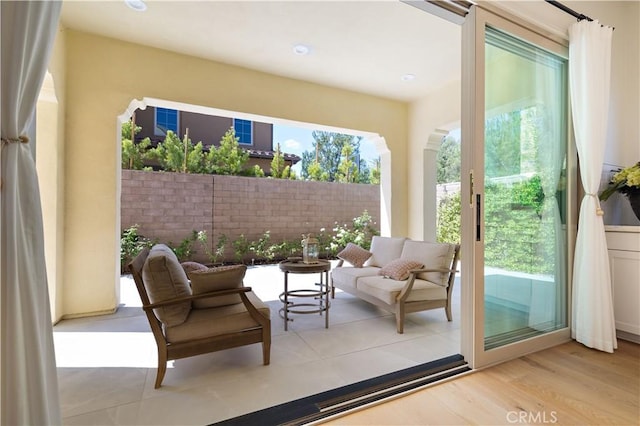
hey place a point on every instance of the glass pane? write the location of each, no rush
(525, 275)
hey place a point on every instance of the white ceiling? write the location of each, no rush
(365, 46)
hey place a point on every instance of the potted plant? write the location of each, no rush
(627, 182)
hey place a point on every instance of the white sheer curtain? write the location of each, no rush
(29, 391)
(547, 301)
(590, 72)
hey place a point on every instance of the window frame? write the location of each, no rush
(251, 124)
(157, 130)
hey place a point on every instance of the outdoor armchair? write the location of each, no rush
(229, 317)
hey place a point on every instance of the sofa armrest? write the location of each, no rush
(413, 274)
(419, 271)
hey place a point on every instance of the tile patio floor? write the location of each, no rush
(107, 364)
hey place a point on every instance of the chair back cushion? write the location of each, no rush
(219, 278)
(432, 256)
(164, 279)
(384, 250)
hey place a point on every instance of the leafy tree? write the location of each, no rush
(278, 168)
(327, 155)
(313, 169)
(374, 172)
(228, 158)
(364, 173)
(347, 169)
(177, 155)
(133, 154)
(277, 164)
(448, 161)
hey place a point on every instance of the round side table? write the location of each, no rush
(305, 301)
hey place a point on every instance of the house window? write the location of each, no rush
(166, 119)
(244, 130)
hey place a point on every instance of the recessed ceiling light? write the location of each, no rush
(137, 5)
(408, 77)
(301, 49)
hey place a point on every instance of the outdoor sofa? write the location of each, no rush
(399, 275)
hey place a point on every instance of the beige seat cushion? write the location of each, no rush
(203, 323)
(388, 290)
(164, 278)
(347, 276)
(384, 250)
(432, 256)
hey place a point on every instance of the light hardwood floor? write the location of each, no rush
(568, 384)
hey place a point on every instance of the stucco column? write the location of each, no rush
(385, 185)
(429, 183)
(49, 165)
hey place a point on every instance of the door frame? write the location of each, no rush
(473, 109)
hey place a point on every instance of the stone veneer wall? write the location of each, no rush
(169, 206)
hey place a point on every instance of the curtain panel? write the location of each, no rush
(593, 323)
(29, 385)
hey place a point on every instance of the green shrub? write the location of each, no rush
(240, 248)
(184, 251)
(515, 236)
(217, 254)
(529, 194)
(360, 232)
(131, 243)
(261, 248)
(448, 219)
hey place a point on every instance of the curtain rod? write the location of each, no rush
(572, 12)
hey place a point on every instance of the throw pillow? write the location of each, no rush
(219, 278)
(355, 255)
(434, 256)
(398, 269)
(192, 266)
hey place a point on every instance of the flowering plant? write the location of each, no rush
(624, 181)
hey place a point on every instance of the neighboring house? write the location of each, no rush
(255, 137)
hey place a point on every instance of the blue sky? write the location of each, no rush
(296, 140)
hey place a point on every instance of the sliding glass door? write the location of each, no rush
(519, 164)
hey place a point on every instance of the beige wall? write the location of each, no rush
(623, 136)
(103, 76)
(439, 110)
